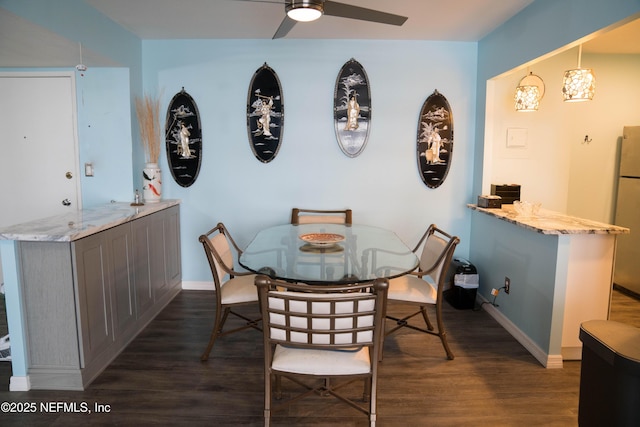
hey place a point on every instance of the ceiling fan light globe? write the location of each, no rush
(304, 11)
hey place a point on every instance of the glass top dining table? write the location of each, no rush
(328, 253)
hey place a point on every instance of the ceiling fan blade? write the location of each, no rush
(263, 1)
(285, 26)
(342, 10)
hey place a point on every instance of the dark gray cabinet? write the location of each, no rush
(156, 257)
(94, 296)
(85, 300)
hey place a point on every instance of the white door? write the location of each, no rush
(38, 146)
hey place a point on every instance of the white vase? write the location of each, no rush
(152, 183)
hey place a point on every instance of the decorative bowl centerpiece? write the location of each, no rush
(526, 209)
(321, 239)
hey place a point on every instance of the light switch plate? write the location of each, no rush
(517, 138)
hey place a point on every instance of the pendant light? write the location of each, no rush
(529, 92)
(578, 84)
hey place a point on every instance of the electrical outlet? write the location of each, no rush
(507, 285)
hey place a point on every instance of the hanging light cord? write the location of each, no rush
(579, 56)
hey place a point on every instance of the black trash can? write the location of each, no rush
(462, 284)
(610, 374)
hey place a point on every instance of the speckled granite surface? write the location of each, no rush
(78, 224)
(550, 222)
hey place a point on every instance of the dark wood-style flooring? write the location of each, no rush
(159, 379)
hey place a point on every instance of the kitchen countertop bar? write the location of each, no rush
(80, 223)
(560, 270)
(550, 222)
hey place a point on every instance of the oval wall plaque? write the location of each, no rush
(435, 140)
(183, 136)
(352, 108)
(265, 114)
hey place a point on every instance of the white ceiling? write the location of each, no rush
(450, 20)
(25, 44)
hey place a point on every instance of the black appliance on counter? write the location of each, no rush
(509, 193)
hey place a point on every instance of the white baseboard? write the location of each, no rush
(549, 361)
(19, 383)
(198, 286)
(572, 353)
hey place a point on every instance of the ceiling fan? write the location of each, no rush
(310, 10)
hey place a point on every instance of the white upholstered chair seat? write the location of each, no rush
(239, 289)
(321, 362)
(413, 289)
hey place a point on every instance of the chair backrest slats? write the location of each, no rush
(326, 320)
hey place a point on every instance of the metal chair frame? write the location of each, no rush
(439, 267)
(292, 321)
(224, 310)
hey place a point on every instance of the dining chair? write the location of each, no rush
(314, 216)
(327, 262)
(315, 335)
(232, 288)
(423, 287)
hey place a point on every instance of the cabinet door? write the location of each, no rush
(157, 262)
(156, 249)
(91, 255)
(121, 273)
(140, 230)
(172, 246)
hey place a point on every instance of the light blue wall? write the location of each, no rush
(542, 27)
(80, 23)
(382, 185)
(13, 302)
(529, 260)
(104, 132)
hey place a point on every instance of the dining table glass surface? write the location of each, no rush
(328, 253)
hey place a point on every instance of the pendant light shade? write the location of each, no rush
(527, 98)
(578, 84)
(529, 92)
(304, 10)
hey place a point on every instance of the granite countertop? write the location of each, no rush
(550, 222)
(81, 223)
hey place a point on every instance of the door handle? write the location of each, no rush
(69, 175)
(66, 202)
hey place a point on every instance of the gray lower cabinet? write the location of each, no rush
(86, 300)
(157, 259)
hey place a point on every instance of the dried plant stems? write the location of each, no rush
(147, 111)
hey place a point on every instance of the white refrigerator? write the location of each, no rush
(627, 266)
